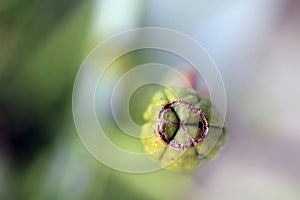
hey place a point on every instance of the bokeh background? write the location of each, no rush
(255, 45)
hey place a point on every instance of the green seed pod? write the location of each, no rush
(181, 129)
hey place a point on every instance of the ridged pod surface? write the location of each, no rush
(181, 129)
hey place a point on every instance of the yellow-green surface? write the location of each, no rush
(160, 151)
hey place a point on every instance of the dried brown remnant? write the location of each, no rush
(168, 129)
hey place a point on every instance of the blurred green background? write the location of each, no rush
(255, 44)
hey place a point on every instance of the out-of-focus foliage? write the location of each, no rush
(41, 49)
(42, 45)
